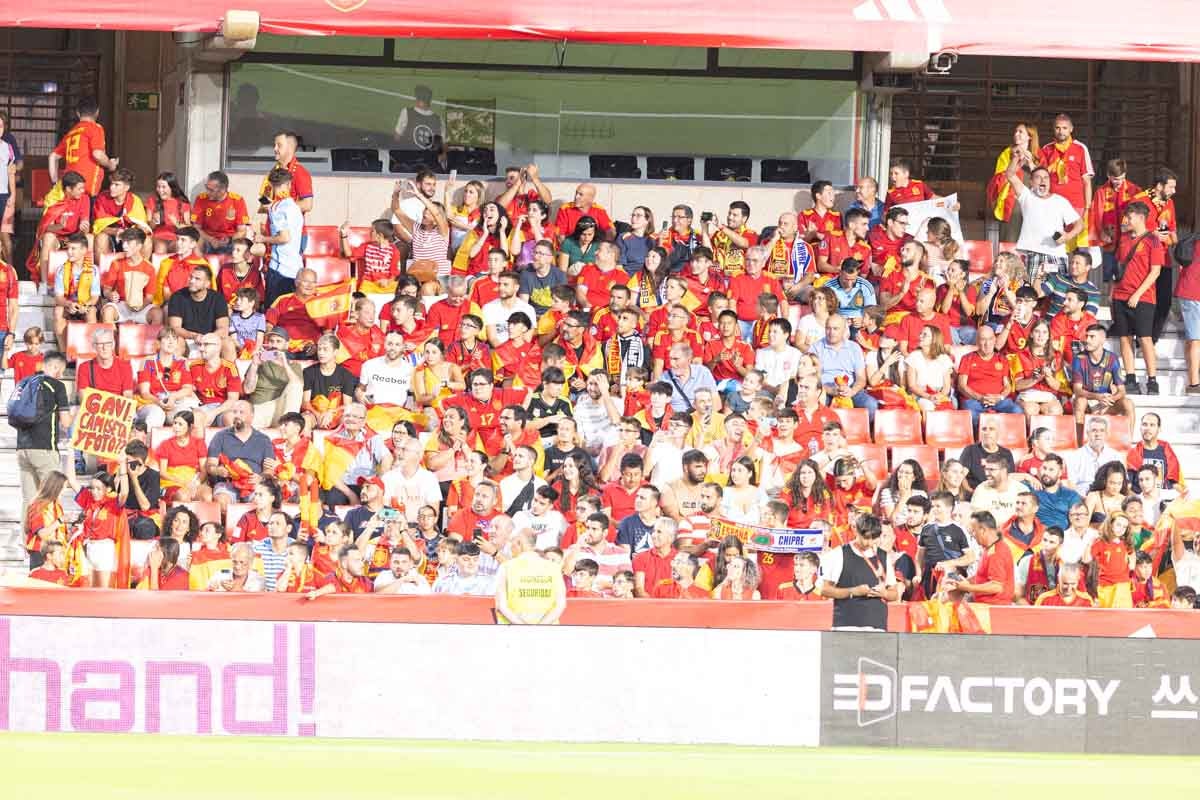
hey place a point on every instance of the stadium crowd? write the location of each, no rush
(471, 388)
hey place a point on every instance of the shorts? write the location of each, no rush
(1037, 396)
(1128, 321)
(1191, 319)
(101, 555)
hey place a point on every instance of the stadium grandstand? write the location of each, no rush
(733, 332)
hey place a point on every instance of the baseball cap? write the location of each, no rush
(279, 331)
(374, 480)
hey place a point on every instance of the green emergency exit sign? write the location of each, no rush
(141, 101)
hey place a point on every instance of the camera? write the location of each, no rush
(707, 216)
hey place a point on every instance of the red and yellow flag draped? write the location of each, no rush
(329, 304)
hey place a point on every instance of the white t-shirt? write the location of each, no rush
(1041, 218)
(548, 528)
(497, 314)
(929, 373)
(421, 489)
(780, 367)
(386, 578)
(387, 384)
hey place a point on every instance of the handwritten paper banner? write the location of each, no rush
(103, 425)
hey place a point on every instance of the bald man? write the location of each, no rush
(584, 205)
(290, 312)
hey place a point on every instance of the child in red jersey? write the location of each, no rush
(28, 361)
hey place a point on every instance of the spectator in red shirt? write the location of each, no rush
(218, 383)
(164, 573)
(652, 567)
(447, 314)
(291, 313)
(286, 145)
(220, 215)
(909, 329)
(106, 371)
(684, 568)
(1134, 295)
(985, 380)
(993, 582)
(584, 205)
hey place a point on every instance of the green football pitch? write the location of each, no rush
(99, 767)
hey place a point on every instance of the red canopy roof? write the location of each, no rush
(1162, 30)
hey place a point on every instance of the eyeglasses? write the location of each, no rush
(479, 384)
(106, 344)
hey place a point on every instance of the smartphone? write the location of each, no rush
(477, 534)
(389, 514)
(453, 175)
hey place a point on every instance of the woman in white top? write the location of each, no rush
(743, 499)
(930, 376)
(811, 327)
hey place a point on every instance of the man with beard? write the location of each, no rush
(652, 566)
(1069, 172)
(898, 290)
(387, 379)
(447, 314)
(479, 516)
(1055, 498)
(681, 498)
(1067, 594)
(1049, 221)
(683, 586)
(634, 532)
(611, 558)
(235, 457)
(1038, 572)
(497, 313)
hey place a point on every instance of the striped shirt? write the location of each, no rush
(273, 563)
(612, 558)
(430, 245)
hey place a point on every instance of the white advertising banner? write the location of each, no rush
(579, 684)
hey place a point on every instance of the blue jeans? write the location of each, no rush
(964, 335)
(1005, 406)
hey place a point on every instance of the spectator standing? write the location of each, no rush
(37, 444)
(1069, 165)
(220, 215)
(529, 587)
(1188, 292)
(994, 580)
(1140, 259)
(859, 579)
(285, 229)
(1048, 220)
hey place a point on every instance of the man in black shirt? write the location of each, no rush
(141, 495)
(328, 386)
(199, 310)
(942, 542)
(37, 444)
(989, 442)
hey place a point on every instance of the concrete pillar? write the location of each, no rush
(877, 138)
(199, 140)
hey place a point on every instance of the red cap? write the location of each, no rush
(374, 480)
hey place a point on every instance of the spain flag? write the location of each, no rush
(332, 461)
(329, 305)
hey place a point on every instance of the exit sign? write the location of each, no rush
(141, 101)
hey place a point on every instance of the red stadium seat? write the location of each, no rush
(873, 457)
(979, 254)
(924, 454)
(135, 340)
(1011, 428)
(205, 511)
(856, 424)
(79, 339)
(40, 183)
(898, 426)
(1118, 431)
(323, 240)
(1008, 247)
(948, 429)
(330, 270)
(1061, 426)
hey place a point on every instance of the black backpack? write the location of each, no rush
(1185, 249)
